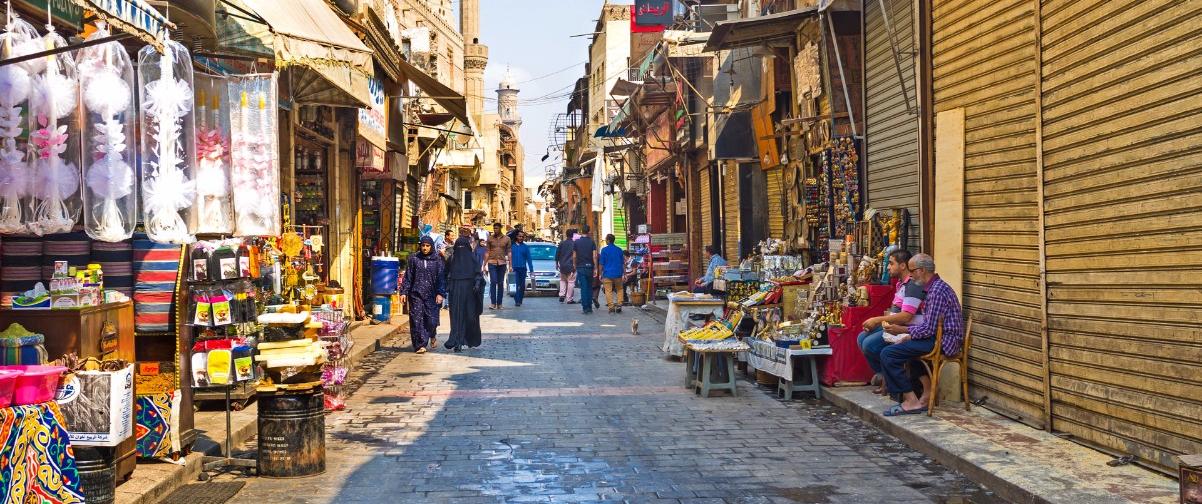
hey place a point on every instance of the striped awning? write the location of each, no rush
(135, 17)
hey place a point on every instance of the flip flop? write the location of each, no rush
(897, 410)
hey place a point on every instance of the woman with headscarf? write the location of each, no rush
(467, 302)
(424, 287)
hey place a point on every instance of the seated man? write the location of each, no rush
(705, 284)
(904, 311)
(919, 339)
(631, 274)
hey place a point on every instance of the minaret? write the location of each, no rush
(475, 57)
(507, 101)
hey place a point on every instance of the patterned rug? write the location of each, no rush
(36, 460)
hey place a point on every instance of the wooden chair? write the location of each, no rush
(934, 361)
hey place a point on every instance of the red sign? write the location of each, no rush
(648, 22)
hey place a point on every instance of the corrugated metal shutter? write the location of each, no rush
(1123, 196)
(730, 210)
(776, 202)
(411, 199)
(892, 128)
(984, 61)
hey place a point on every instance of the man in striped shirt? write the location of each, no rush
(919, 339)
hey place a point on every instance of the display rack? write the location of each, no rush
(669, 262)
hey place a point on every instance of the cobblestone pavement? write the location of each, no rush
(557, 406)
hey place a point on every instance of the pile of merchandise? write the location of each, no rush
(335, 340)
(222, 310)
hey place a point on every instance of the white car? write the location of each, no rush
(545, 279)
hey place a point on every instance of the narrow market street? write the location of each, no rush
(557, 406)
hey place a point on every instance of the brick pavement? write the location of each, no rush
(557, 407)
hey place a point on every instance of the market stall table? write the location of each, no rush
(847, 363)
(766, 356)
(680, 309)
(701, 361)
(38, 464)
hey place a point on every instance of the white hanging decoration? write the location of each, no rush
(106, 77)
(54, 130)
(213, 205)
(15, 85)
(255, 155)
(168, 143)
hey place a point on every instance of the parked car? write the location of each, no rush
(545, 279)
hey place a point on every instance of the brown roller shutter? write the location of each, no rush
(730, 209)
(1122, 109)
(705, 224)
(776, 202)
(984, 61)
(892, 127)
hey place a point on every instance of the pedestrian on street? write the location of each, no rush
(424, 287)
(498, 263)
(584, 251)
(567, 268)
(466, 288)
(523, 264)
(613, 265)
(513, 233)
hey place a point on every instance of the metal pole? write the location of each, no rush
(57, 50)
(896, 56)
(842, 78)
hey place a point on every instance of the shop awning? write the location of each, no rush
(136, 17)
(195, 19)
(454, 102)
(757, 30)
(617, 126)
(331, 65)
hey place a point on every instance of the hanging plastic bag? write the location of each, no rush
(255, 155)
(168, 143)
(54, 198)
(19, 38)
(213, 204)
(107, 86)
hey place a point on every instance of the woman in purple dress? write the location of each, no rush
(424, 287)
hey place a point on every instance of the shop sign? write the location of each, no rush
(369, 159)
(653, 12)
(63, 11)
(373, 119)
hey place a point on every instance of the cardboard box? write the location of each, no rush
(98, 406)
(156, 377)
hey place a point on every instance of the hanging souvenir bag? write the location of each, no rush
(19, 38)
(213, 205)
(54, 202)
(106, 82)
(168, 143)
(255, 155)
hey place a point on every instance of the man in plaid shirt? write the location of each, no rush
(919, 339)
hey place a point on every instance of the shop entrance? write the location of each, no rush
(753, 207)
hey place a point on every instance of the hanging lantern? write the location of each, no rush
(107, 85)
(168, 143)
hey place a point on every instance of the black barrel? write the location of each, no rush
(292, 433)
(97, 474)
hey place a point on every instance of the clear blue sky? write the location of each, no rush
(534, 38)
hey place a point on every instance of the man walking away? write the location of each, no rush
(567, 268)
(613, 266)
(585, 251)
(498, 262)
(519, 257)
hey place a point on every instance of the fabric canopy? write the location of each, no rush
(135, 17)
(454, 102)
(331, 64)
(753, 31)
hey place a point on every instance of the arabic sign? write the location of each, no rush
(653, 12)
(373, 120)
(369, 159)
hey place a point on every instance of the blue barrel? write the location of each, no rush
(384, 272)
(381, 308)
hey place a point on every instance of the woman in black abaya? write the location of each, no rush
(463, 278)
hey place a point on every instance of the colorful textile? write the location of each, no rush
(38, 463)
(155, 269)
(116, 261)
(20, 267)
(75, 248)
(153, 425)
(23, 350)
